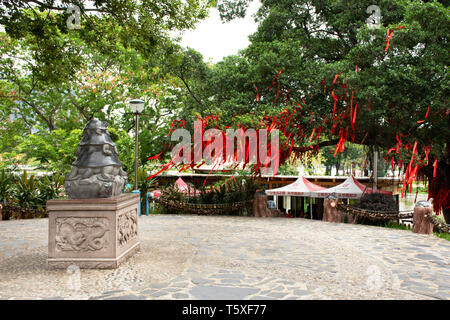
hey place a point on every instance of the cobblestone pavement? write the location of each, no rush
(194, 257)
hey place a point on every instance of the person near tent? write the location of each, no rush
(289, 214)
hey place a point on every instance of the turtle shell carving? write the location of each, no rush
(97, 171)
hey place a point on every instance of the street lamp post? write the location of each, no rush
(136, 106)
(375, 170)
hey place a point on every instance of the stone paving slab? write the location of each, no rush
(195, 257)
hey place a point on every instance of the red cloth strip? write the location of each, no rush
(274, 79)
(435, 168)
(426, 115)
(155, 157)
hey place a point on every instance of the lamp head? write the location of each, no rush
(137, 105)
(332, 196)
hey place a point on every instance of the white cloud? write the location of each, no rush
(215, 40)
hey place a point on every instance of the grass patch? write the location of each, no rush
(445, 236)
(394, 225)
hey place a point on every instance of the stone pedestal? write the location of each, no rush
(330, 211)
(420, 223)
(92, 233)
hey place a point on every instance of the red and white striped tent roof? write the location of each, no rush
(349, 189)
(301, 187)
(180, 185)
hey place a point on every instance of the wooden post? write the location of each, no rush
(420, 222)
(1, 209)
(260, 206)
(330, 212)
(375, 170)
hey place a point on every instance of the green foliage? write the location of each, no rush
(315, 40)
(286, 169)
(394, 225)
(7, 181)
(125, 147)
(105, 27)
(445, 236)
(54, 150)
(376, 202)
(26, 192)
(25, 196)
(353, 155)
(238, 189)
(50, 187)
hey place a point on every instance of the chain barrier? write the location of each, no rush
(442, 227)
(377, 215)
(206, 209)
(392, 215)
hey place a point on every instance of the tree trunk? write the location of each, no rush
(438, 186)
(447, 216)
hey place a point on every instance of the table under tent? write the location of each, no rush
(295, 196)
(350, 189)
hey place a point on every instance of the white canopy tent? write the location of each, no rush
(349, 189)
(302, 187)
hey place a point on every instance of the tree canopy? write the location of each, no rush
(313, 69)
(323, 77)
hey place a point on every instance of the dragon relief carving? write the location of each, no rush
(127, 227)
(81, 234)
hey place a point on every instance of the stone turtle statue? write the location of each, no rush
(97, 172)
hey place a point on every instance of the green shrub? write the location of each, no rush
(226, 191)
(50, 187)
(375, 202)
(26, 192)
(7, 182)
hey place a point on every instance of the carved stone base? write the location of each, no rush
(92, 233)
(420, 223)
(330, 211)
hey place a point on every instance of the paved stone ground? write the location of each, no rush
(194, 257)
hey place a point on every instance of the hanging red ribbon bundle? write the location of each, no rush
(389, 36)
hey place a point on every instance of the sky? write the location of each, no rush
(215, 40)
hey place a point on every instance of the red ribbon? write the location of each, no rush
(335, 102)
(426, 115)
(335, 78)
(435, 168)
(257, 93)
(163, 169)
(155, 157)
(274, 79)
